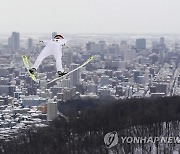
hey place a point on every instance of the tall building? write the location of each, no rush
(51, 110)
(162, 44)
(75, 76)
(161, 40)
(129, 91)
(146, 75)
(10, 43)
(15, 41)
(136, 73)
(102, 46)
(141, 43)
(30, 43)
(161, 56)
(69, 58)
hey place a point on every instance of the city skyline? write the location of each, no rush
(84, 16)
(122, 70)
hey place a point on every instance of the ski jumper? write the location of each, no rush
(52, 47)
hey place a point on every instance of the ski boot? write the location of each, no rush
(32, 71)
(61, 73)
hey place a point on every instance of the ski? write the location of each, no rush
(85, 63)
(26, 64)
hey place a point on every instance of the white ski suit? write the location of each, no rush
(53, 47)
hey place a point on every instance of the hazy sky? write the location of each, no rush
(90, 16)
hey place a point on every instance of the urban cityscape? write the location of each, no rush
(90, 77)
(125, 66)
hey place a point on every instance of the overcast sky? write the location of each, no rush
(90, 16)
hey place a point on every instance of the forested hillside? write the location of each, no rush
(89, 120)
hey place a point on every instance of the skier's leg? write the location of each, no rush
(58, 58)
(44, 53)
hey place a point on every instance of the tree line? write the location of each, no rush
(90, 119)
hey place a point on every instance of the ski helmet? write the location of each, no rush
(58, 37)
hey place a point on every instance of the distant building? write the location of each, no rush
(4, 72)
(69, 58)
(146, 75)
(113, 49)
(17, 94)
(4, 81)
(104, 92)
(129, 55)
(14, 42)
(162, 44)
(153, 58)
(90, 46)
(67, 94)
(32, 90)
(51, 110)
(42, 108)
(178, 80)
(129, 91)
(10, 43)
(4, 90)
(92, 88)
(152, 89)
(136, 73)
(96, 47)
(161, 56)
(33, 100)
(104, 80)
(123, 45)
(161, 88)
(55, 90)
(7, 90)
(75, 76)
(161, 40)
(141, 44)
(141, 79)
(4, 100)
(65, 83)
(102, 45)
(30, 43)
(1, 102)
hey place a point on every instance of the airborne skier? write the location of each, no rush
(52, 47)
